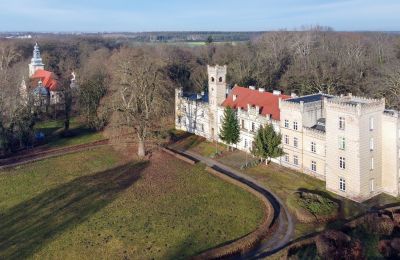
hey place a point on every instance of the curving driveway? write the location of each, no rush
(283, 233)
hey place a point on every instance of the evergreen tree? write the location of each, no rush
(230, 131)
(267, 143)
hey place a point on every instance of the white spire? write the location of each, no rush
(36, 61)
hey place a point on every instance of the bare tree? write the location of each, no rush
(141, 93)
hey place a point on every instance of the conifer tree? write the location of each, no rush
(230, 131)
(267, 143)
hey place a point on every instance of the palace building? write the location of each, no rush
(352, 143)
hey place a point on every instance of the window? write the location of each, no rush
(313, 147)
(342, 123)
(245, 143)
(342, 163)
(342, 184)
(372, 185)
(202, 113)
(342, 143)
(371, 144)
(286, 139)
(179, 119)
(313, 166)
(184, 109)
(243, 126)
(253, 127)
(371, 123)
(212, 79)
(295, 125)
(295, 142)
(286, 123)
(295, 160)
(202, 127)
(372, 163)
(220, 79)
(286, 158)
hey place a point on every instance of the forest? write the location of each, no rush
(124, 83)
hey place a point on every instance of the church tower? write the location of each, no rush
(217, 92)
(36, 61)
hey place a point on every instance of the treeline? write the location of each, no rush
(133, 85)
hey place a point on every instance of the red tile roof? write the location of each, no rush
(48, 78)
(268, 102)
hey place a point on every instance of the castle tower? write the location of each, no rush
(217, 92)
(36, 61)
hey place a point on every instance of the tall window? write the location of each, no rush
(243, 126)
(295, 160)
(342, 123)
(253, 127)
(342, 143)
(313, 166)
(286, 123)
(313, 147)
(371, 123)
(371, 144)
(286, 139)
(372, 163)
(342, 163)
(295, 127)
(202, 127)
(295, 142)
(286, 158)
(245, 143)
(342, 184)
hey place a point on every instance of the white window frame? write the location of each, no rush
(313, 147)
(342, 123)
(286, 158)
(295, 160)
(295, 126)
(342, 143)
(372, 163)
(371, 144)
(342, 184)
(342, 163)
(253, 127)
(245, 143)
(286, 139)
(286, 123)
(371, 123)
(313, 166)
(295, 142)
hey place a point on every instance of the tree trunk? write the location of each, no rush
(141, 150)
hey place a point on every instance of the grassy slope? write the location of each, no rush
(69, 208)
(80, 133)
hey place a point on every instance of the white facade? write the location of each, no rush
(352, 143)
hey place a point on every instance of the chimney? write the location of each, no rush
(199, 96)
(234, 97)
(258, 109)
(252, 87)
(293, 95)
(276, 92)
(261, 90)
(202, 93)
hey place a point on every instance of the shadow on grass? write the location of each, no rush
(26, 227)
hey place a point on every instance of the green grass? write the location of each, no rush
(199, 145)
(78, 134)
(92, 205)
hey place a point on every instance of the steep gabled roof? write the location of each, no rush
(268, 102)
(48, 78)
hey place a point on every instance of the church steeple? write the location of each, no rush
(36, 61)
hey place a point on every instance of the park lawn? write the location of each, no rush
(79, 133)
(199, 145)
(94, 204)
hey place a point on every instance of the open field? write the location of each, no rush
(96, 203)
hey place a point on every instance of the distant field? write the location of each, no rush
(93, 204)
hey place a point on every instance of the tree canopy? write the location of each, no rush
(230, 130)
(267, 143)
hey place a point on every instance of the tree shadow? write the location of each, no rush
(26, 227)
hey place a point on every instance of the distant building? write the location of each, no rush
(352, 143)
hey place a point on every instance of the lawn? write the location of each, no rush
(79, 133)
(95, 204)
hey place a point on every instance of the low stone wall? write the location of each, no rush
(179, 156)
(248, 242)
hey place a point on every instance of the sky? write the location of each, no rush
(196, 15)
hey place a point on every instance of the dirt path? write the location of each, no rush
(285, 226)
(40, 154)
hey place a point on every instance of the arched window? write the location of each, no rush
(212, 79)
(220, 79)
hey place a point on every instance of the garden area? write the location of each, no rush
(98, 202)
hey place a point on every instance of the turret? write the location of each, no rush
(36, 61)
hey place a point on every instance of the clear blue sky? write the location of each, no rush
(177, 15)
